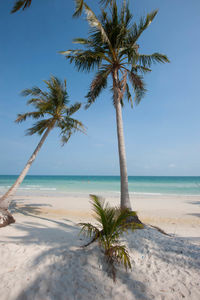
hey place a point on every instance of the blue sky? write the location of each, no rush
(162, 134)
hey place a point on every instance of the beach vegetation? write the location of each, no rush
(52, 109)
(111, 224)
(112, 49)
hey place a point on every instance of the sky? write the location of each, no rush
(162, 133)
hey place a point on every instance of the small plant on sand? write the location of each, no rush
(112, 223)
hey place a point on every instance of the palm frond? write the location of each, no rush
(137, 30)
(147, 60)
(98, 84)
(121, 223)
(99, 210)
(89, 230)
(128, 96)
(68, 127)
(82, 41)
(39, 127)
(123, 83)
(34, 115)
(35, 91)
(78, 8)
(21, 4)
(141, 69)
(73, 109)
(106, 2)
(83, 60)
(119, 254)
(138, 86)
(94, 22)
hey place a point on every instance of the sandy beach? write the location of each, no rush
(41, 256)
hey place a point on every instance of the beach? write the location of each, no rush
(107, 80)
(41, 256)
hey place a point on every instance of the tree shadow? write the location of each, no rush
(27, 209)
(60, 269)
(77, 275)
(177, 251)
(194, 214)
(194, 202)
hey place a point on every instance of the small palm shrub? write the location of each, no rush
(112, 223)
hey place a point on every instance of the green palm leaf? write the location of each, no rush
(83, 60)
(137, 30)
(40, 126)
(89, 230)
(97, 85)
(147, 60)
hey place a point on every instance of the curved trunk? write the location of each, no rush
(125, 201)
(5, 216)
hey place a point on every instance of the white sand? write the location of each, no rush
(41, 257)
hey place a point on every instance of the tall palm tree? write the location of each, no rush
(112, 49)
(52, 111)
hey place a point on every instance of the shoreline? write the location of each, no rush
(52, 192)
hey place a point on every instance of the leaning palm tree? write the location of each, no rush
(112, 223)
(52, 111)
(112, 49)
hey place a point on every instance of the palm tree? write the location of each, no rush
(111, 225)
(52, 110)
(112, 49)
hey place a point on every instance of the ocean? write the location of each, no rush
(51, 185)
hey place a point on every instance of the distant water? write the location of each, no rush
(90, 184)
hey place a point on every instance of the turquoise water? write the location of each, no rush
(91, 184)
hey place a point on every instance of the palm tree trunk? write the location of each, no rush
(125, 201)
(5, 216)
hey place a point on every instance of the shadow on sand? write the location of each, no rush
(65, 271)
(178, 251)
